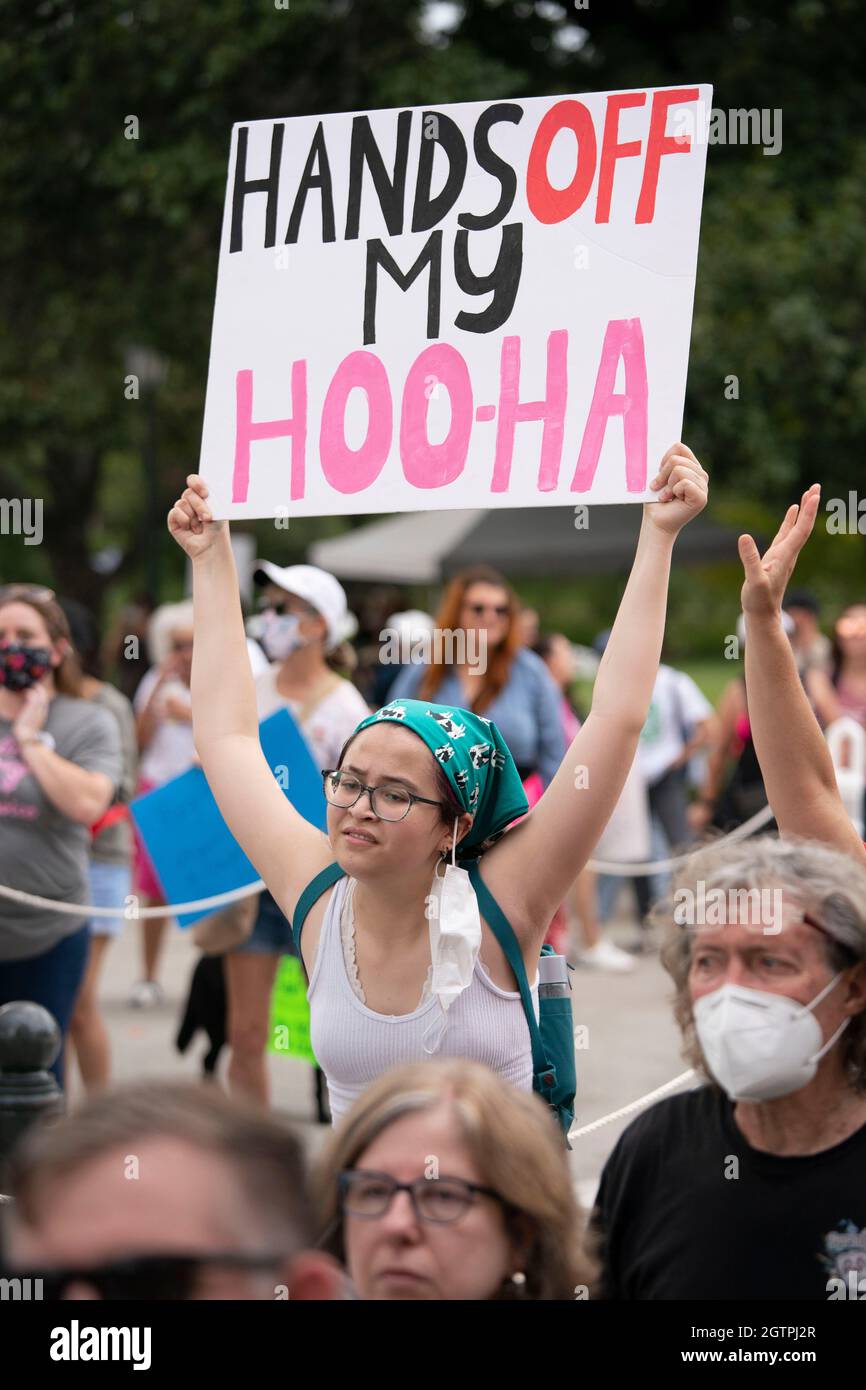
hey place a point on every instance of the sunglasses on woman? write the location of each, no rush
(147, 1277)
(479, 609)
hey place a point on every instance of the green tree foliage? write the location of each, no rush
(111, 241)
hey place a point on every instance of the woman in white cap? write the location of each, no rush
(304, 627)
(163, 721)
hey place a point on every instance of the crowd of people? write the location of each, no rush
(463, 807)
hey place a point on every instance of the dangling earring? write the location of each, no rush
(518, 1284)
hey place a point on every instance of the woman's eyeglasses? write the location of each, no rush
(479, 609)
(147, 1277)
(438, 1200)
(387, 802)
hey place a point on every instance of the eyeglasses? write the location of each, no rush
(148, 1277)
(438, 1200)
(37, 592)
(500, 609)
(388, 802)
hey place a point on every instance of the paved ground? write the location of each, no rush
(633, 1044)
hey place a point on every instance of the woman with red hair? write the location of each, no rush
(480, 663)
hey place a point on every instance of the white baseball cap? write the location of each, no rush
(317, 588)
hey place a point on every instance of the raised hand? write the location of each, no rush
(190, 521)
(682, 486)
(767, 576)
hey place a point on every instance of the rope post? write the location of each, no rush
(29, 1042)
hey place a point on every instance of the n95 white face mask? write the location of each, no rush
(758, 1045)
(455, 939)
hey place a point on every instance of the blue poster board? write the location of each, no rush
(193, 851)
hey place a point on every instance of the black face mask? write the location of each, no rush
(22, 666)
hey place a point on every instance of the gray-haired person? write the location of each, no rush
(752, 1185)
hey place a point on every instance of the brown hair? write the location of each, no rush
(837, 656)
(826, 883)
(515, 1145)
(68, 679)
(263, 1152)
(499, 660)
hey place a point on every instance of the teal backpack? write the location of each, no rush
(553, 1066)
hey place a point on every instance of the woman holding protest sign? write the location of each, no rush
(305, 623)
(415, 785)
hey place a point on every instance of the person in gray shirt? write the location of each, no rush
(110, 853)
(60, 765)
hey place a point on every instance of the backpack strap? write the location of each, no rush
(311, 894)
(504, 933)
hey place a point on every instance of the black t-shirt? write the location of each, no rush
(688, 1209)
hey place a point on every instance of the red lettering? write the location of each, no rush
(612, 150)
(546, 203)
(659, 144)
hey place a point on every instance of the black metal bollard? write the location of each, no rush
(29, 1042)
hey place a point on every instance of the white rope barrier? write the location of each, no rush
(634, 1105)
(134, 913)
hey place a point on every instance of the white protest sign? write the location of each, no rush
(481, 305)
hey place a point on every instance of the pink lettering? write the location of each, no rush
(434, 465)
(353, 470)
(623, 339)
(247, 430)
(551, 410)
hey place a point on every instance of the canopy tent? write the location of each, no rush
(425, 547)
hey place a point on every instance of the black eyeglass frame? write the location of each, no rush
(394, 820)
(473, 1189)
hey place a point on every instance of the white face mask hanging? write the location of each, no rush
(455, 940)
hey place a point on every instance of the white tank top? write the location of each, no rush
(354, 1045)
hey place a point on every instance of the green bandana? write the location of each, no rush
(475, 759)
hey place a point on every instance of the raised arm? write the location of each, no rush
(286, 850)
(795, 762)
(533, 866)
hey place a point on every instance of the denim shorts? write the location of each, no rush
(272, 933)
(110, 886)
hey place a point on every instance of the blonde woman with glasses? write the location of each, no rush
(444, 1182)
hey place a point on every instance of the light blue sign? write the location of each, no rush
(193, 851)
